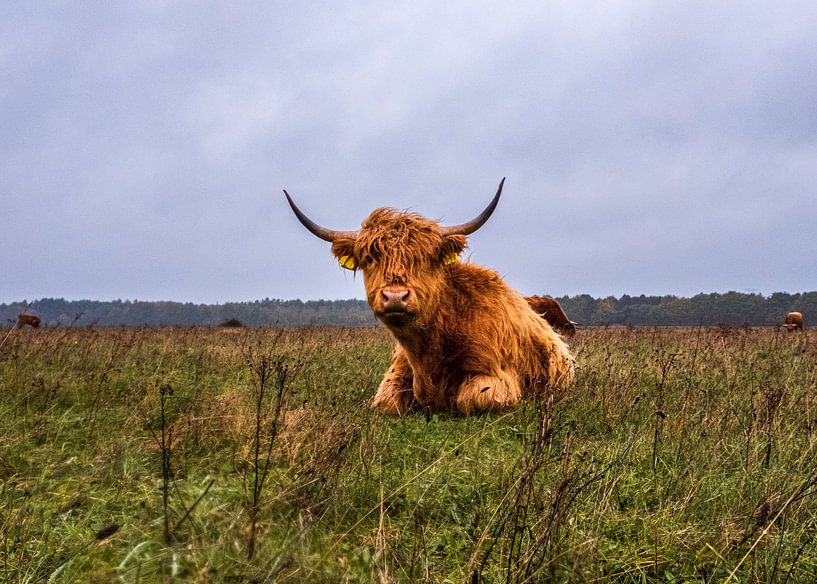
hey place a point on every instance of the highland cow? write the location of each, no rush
(465, 340)
(28, 319)
(794, 322)
(549, 309)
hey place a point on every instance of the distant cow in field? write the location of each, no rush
(794, 322)
(466, 341)
(549, 309)
(28, 319)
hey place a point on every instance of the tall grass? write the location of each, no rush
(680, 455)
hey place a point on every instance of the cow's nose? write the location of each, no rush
(395, 297)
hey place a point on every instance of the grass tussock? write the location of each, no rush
(234, 454)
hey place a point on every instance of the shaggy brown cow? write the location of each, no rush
(465, 339)
(28, 319)
(549, 309)
(794, 321)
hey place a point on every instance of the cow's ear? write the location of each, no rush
(452, 247)
(344, 250)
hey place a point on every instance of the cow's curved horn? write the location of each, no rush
(477, 222)
(322, 232)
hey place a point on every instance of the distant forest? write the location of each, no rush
(731, 308)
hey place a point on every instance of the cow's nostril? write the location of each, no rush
(395, 295)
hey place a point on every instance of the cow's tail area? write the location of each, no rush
(550, 359)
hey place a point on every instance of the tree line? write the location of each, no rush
(731, 308)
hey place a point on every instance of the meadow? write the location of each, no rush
(250, 455)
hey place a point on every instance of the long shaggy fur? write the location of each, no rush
(472, 343)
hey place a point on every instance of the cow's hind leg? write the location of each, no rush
(395, 394)
(488, 393)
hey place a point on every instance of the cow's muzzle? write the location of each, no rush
(394, 305)
(395, 299)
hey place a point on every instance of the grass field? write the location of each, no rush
(250, 455)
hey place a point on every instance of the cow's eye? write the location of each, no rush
(367, 260)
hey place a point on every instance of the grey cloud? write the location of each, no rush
(655, 148)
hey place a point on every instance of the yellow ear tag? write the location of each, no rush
(347, 262)
(451, 259)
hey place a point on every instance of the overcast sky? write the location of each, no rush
(649, 147)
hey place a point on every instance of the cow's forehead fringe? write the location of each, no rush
(397, 219)
(389, 231)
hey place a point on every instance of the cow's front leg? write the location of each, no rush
(488, 393)
(395, 394)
